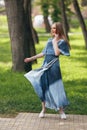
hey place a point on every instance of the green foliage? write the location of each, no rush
(55, 14)
(45, 8)
(55, 10)
(50, 8)
(17, 94)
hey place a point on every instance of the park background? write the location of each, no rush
(16, 93)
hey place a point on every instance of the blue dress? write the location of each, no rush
(48, 85)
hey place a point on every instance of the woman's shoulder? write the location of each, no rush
(61, 41)
(64, 48)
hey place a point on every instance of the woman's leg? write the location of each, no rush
(61, 110)
(42, 113)
(43, 106)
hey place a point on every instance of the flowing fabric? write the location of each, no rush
(49, 85)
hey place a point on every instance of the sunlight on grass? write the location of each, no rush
(3, 20)
(3, 25)
(74, 30)
(4, 66)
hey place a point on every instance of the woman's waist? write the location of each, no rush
(49, 58)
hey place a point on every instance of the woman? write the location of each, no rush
(49, 86)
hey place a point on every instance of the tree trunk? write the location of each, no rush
(19, 38)
(29, 27)
(28, 11)
(45, 8)
(81, 20)
(35, 36)
(47, 25)
(64, 19)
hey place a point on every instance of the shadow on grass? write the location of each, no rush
(80, 59)
(76, 82)
(78, 47)
(80, 55)
(5, 50)
(77, 95)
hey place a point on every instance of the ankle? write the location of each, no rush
(43, 110)
(61, 111)
(43, 107)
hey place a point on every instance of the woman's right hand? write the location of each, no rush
(26, 60)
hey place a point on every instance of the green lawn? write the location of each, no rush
(17, 94)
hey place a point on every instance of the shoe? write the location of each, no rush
(63, 116)
(42, 114)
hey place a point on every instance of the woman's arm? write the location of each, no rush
(33, 57)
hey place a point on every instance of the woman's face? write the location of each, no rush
(53, 30)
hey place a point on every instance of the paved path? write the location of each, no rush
(31, 121)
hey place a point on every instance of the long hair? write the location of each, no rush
(60, 32)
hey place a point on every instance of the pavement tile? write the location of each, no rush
(31, 121)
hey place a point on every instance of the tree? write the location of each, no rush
(45, 10)
(55, 10)
(81, 20)
(28, 11)
(20, 33)
(29, 29)
(64, 18)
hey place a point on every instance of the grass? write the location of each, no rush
(17, 94)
